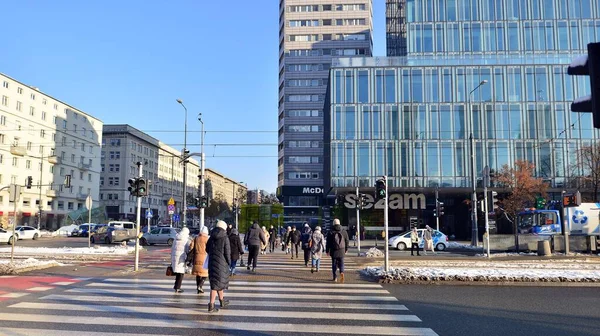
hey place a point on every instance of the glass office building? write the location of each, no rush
(410, 117)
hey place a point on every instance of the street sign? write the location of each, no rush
(176, 218)
(171, 209)
(149, 214)
(171, 201)
(88, 202)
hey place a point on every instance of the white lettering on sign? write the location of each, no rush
(396, 201)
(309, 190)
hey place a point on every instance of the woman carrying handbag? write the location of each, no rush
(179, 252)
(197, 257)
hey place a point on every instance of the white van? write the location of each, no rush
(124, 225)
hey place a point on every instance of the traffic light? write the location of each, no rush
(494, 201)
(540, 203)
(132, 187)
(440, 208)
(204, 202)
(362, 202)
(380, 189)
(572, 200)
(588, 65)
(141, 189)
(29, 182)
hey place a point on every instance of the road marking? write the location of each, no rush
(13, 295)
(64, 283)
(39, 289)
(250, 283)
(225, 312)
(253, 303)
(219, 325)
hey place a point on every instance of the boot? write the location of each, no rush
(342, 277)
(224, 303)
(312, 269)
(200, 285)
(211, 308)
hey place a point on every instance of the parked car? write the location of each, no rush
(109, 235)
(402, 241)
(82, 230)
(7, 236)
(27, 232)
(160, 235)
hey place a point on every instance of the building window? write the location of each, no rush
(64, 124)
(56, 106)
(5, 100)
(83, 147)
(89, 177)
(20, 90)
(3, 120)
(19, 106)
(117, 167)
(70, 206)
(303, 128)
(110, 181)
(31, 111)
(28, 164)
(73, 158)
(101, 181)
(5, 84)
(32, 96)
(15, 162)
(43, 115)
(116, 181)
(44, 101)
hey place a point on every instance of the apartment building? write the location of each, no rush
(223, 187)
(47, 139)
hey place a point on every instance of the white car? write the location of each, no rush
(402, 241)
(6, 236)
(27, 232)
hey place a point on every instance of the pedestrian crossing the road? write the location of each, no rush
(125, 306)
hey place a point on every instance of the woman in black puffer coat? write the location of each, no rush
(219, 261)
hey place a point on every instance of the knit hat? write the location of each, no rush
(221, 224)
(204, 230)
(318, 228)
(306, 225)
(336, 222)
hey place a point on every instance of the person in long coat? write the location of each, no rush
(263, 247)
(316, 249)
(179, 251)
(236, 249)
(219, 261)
(198, 247)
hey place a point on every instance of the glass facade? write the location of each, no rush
(412, 122)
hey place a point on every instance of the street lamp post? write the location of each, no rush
(184, 158)
(202, 164)
(474, 231)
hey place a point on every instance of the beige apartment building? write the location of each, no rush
(47, 139)
(220, 185)
(311, 34)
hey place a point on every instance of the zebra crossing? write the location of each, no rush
(131, 306)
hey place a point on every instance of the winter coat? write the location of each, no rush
(428, 234)
(219, 259)
(305, 237)
(272, 235)
(198, 245)
(179, 251)
(294, 237)
(286, 236)
(267, 237)
(318, 245)
(337, 253)
(236, 245)
(414, 237)
(255, 236)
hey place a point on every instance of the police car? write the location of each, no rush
(402, 241)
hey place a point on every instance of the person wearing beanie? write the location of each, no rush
(179, 252)
(272, 238)
(294, 240)
(285, 241)
(236, 249)
(305, 240)
(336, 247)
(197, 256)
(219, 261)
(316, 249)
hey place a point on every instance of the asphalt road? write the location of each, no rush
(57, 242)
(496, 310)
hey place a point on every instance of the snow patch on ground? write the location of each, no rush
(521, 274)
(94, 250)
(373, 252)
(455, 245)
(6, 267)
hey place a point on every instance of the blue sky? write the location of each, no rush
(128, 61)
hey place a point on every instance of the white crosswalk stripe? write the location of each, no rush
(118, 306)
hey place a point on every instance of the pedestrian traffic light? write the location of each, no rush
(132, 188)
(29, 182)
(440, 208)
(588, 65)
(495, 205)
(380, 188)
(363, 202)
(540, 203)
(140, 185)
(204, 202)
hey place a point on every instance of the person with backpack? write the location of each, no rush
(294, 239)
(253, 239)
(336, 247)
(236, 249)
(316, 249)
(306, 242)
(272, 239)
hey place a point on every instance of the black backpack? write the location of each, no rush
(305, 238)
(339, 243)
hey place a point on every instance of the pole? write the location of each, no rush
(149, 204)
(564, 219)
(40, 197)
(137, 227)
(357, 233)
(172, 182)
(202, 164)
(385, 223)
(474, 233)
(185, 158)
(437, 209)
(89, 226)
(15, 197)
(487, 221)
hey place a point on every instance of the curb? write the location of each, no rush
(31, 268)
(490, 283)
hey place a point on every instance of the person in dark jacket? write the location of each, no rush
(305, 240)
(229, 228)
(236, 249)
(254, 238)
(286, 241)
(336, 247)
(294, 239)
(272, 238)
(219, 261)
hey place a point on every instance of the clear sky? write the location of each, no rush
(128, 61)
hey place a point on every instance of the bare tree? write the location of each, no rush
(588, 158)
(521, 186)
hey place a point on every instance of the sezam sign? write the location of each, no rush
(396, 201)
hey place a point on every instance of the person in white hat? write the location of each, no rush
(219, 263)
